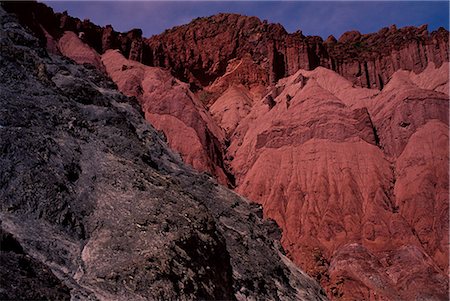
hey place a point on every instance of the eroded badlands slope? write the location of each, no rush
(95, 206)
(364, 211)
(357, 178)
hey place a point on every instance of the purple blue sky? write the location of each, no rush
(313, 18)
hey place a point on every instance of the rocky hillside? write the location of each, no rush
(356, 178)
(350, 160)
(94, 206)
(201, 51)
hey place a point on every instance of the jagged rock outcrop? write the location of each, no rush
(172, 108)
(94, 205)
(207, 45)
(369, 60)
(356, 177)
(200, 52)
(48, 25)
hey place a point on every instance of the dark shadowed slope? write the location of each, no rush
(94, 202)
(357, 178)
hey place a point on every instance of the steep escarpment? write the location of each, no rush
(94, 205)
(172, 108)
(168, 103)
(341, 170)
(192, 51)
(200, 52)
(352, 164)
(369, 60)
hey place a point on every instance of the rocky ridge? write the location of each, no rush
(191, 52)
(95, 206)
(355, 177)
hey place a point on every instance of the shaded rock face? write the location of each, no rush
(72, 46)
(172, 108)
(26, 277)
(168, 103)
(357, 178)
(95, 206)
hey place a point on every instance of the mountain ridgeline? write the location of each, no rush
(343, 142)
(200, 51)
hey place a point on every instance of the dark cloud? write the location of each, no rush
(313, 18)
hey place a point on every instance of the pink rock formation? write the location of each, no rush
(201, 51)
(354, 215)
(231, 107)
(433, 78)
(421, 188)
(71, 46)
(356, 177)
(207, 45)
(171, 107)
(402, 108)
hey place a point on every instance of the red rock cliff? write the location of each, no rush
(356, 177)
(200, 51)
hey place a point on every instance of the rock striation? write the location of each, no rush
(70, 45)
(95, 206)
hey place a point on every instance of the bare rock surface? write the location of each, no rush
(171, 107)
(95, 203)
(231, 107)
(26, 277)
(202, 51)
(71, 46)
(360, 195)
(350, 160)
(192, 51)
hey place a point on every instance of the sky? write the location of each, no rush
(320, 18)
